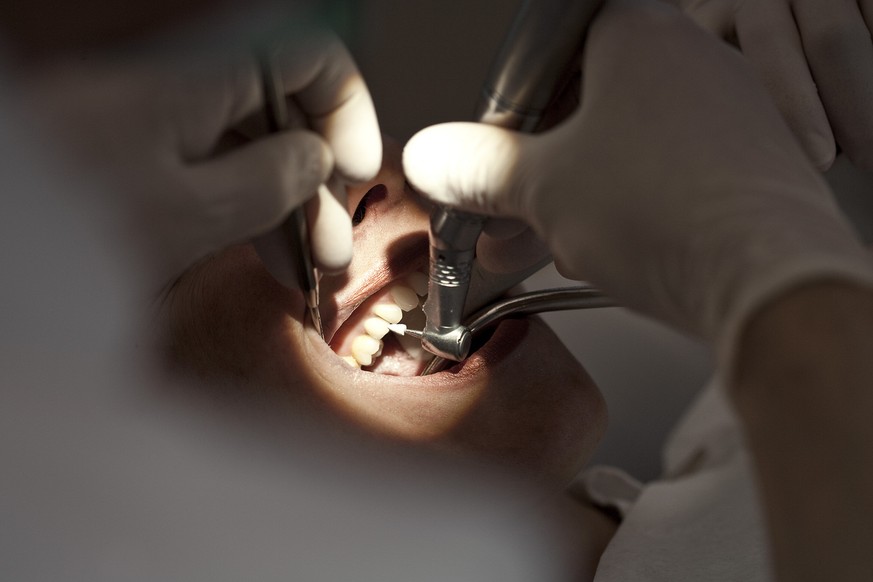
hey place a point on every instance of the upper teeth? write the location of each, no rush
(389, 312)
(367, 346)
(418, 282)
(404, 297)
(376, 327)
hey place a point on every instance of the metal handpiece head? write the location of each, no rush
(453, 236)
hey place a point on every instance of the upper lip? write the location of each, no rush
(409, 257)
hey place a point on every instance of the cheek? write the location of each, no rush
(229, 318)
(545, 417)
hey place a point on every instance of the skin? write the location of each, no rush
(228, 318)
(803, 392)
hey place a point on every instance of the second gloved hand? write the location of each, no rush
(816, 59)
(676, 186)
(170, 131)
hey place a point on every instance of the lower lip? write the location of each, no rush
(507, 336)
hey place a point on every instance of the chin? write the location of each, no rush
(521, 399)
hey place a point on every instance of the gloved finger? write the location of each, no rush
(513, 254)
(866, 7)
(480, 168)
(250, 190)
(769, 39)
(333, 95)
(509, 245)
(330, 227)
(839, 51)
(716, 17)
(330, 234)
(472, 166)
(504, 228)
(324, 80)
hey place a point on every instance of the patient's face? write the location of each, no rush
(521, 399)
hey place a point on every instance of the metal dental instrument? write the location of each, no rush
(535, 56)
(292, 236)
(545, 300)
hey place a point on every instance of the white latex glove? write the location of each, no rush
(816, 59)
(161, 129)
(676, 186)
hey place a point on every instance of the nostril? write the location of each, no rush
(377, 193)
(373, 195)
(360, 212)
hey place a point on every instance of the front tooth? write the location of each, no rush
(404, 297)
(376, 327)
(389, 312)
(363, 349)
(418, 281)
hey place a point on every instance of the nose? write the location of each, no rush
(389, 218)
(390, 227)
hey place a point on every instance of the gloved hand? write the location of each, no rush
(162, 130)
(816, 59)
(676, 186)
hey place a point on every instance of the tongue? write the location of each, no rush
(395, 361)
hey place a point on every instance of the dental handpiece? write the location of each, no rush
(453, 236)
(535, 57)
(530, 303)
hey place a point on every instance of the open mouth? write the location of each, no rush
(386, 282)
(363, 340)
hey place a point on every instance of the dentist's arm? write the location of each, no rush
(803, 390)
(679, 189)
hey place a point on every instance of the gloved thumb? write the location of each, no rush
(476, 167)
